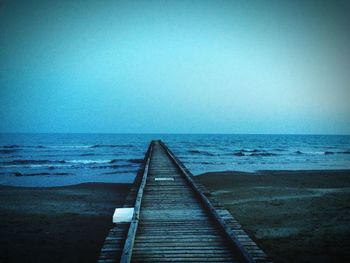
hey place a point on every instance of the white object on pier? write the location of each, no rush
(164, 179)
(123, 215)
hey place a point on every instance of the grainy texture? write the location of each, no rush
(115, 241)
(61, 224)
(172, 220)
(174, 223)
(295, 216)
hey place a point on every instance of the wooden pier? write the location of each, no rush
(176, 220)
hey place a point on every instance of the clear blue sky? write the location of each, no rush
(175, 66)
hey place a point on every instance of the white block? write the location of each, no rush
(164, 179)
(123, 215)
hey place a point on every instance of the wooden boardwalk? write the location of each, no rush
(175, 221)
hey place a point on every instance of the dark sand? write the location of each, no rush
(63, 224)
(299, 216)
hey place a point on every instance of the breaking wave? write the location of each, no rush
(201, 152)
(112, 146)
(254, 152)
(325, 152)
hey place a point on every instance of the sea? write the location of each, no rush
(46, 160)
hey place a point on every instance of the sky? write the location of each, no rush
(175, 66)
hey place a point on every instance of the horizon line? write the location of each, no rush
(179, 133)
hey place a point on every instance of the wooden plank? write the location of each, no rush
(129, 242)
(235, 244)
(172, 204)
(173, 223)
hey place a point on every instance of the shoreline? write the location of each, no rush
(294, 216)
(79, 185)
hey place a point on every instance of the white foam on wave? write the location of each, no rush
(314, 152)
(33, 165)
(88, 161)
(64, 163)
(70, 146)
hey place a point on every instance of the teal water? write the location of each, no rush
(64, 159)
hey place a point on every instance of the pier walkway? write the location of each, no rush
(176, 220)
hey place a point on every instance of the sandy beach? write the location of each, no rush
(295, 216)
(62, 224)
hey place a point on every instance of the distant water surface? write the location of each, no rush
(64, 159)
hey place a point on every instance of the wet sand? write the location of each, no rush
(63, 224)
(295, 216)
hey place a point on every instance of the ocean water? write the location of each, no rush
(64, 159)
